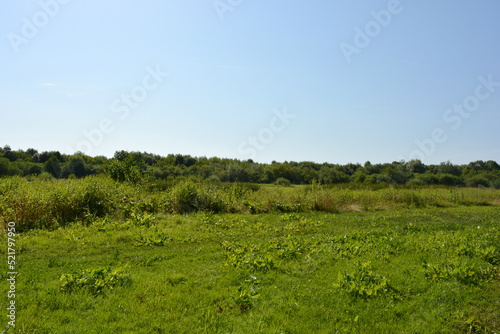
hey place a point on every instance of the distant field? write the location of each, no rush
(95, 256)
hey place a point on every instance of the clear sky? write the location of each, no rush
(324, 81)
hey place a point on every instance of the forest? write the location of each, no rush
(136, 166)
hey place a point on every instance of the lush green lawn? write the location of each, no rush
(403, 271)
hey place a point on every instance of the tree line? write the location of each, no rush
(139, 166)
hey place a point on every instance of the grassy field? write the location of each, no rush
(94, 256)
(55, 203)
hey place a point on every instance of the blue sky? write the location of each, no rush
(325, 81)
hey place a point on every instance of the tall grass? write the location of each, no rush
(49, 203)
(52, 203)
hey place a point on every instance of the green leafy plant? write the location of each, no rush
(244, 255)
(462, 271)
(287, 248)
(247, 295)
(156, 238)
(105, 224)
(142, 219)
(362, 282)
(96, 281)
(211, 220)
(490, 255)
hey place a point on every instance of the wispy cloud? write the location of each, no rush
(48, 84)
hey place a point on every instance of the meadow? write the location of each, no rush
(98, 256)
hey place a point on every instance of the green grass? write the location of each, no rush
(401, 270)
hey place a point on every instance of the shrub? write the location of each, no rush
(214, 179)
(384, 178)
(122, 171)
(477, 181)
(359, 177)
(45, 176)
(450, 180)
(184, 196)
(188, 197)
(281, 181)
(424, 179)
(324, 202)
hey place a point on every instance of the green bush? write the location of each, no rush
(450, 180)
(495, 184)
(45, 176)
(477, 181)
(122, 171)
(281, 181)
(423, 179)
(188, 197)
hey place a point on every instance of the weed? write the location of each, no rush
(142, 219)
(462, 271)
(244, 255)
(362, 282)
(156, 238)
(94, 280)
(211, 221)
(287, 248)
(247, 295)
